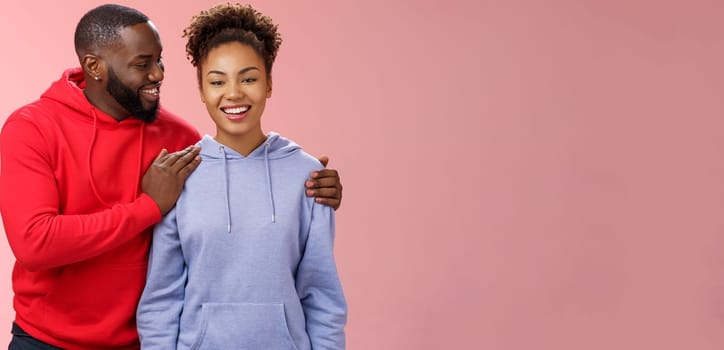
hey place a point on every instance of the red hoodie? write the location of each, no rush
(75, 216)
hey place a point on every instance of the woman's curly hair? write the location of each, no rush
(225, 23)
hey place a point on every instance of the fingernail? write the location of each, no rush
(315, 173)
(310, 192)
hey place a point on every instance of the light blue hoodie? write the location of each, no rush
(245, 260)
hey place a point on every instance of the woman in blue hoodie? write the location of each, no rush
(245, 260)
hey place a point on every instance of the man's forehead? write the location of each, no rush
(140, 37)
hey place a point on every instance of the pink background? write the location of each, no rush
(518, 174)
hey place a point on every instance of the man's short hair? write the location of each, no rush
(100, 27)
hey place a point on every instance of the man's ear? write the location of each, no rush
(93, 66)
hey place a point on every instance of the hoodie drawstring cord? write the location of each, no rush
(226, 190)
(140, 159)
(226, 185)
(268, 180)
(90, 154)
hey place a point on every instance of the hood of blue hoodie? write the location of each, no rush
(275, 147)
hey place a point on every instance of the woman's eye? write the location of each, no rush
(216, 83)
(248, 80)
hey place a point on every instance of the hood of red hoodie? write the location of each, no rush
(68, 90)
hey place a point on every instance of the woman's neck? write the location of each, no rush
(245, 144)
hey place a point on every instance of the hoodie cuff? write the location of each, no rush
(148, 211)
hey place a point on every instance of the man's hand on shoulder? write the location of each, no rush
(325, 185)
(166, 176)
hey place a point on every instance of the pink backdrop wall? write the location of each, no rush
(518, 174)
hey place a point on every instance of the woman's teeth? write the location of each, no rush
(235, 110)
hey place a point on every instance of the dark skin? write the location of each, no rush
(136, 62)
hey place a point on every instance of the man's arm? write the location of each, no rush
(325, 185)
(42, 238)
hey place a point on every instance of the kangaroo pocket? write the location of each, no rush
(243, 326)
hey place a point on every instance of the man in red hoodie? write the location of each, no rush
(85, 175)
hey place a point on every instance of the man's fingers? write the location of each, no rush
(178, 160)
(161, 155)
(322, 173)
(325, 185)
(331, 182)
(327, 192)
(333, 203)
(168, 159)
(189, 168)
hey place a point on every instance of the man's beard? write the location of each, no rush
(129, 99)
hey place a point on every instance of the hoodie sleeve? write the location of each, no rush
(318, 284)
(39, 235)
(159, 310)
